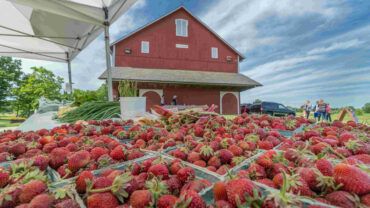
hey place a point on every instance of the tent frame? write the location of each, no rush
(59, 8)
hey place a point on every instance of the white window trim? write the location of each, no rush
(181, 24)
(236, 94)
(143, 50)
(214, 53)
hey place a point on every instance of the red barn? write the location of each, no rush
(180, 55)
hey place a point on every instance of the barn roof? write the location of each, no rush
(168, 14)
(182, 77)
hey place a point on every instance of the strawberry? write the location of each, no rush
(166, 201)
(68, 203)
(99, 200)
(221, 203)
(190, 199)
(206, 152)
(267, 182)
(265, 145)
(200, 163)
(365, 199)
(180, 153)
(214, 161)
(256, 172)
(265, 161)
(13, 191)
(57, 157)
(32, 189)
(4, 177)
(49, 147)
(325, 167)
(193, 156)
(18, 148)
(40, 161)
(41, 201)
(159, 170)
(186, 174)
(225, 156)
(96, 152)
(194, 185)
(237, 151)
(134, 155)
(118, 153)
(174, 184)
(342, 199)
(353, 179)
(140, 199)
(175, 167)
(237, 189)
(81, 181)
(219, 191)
(78, 160)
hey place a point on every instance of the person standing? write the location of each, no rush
(174, 100)
(316, 111)
(328, 112)
(322, 110)
(307, 109)
(162, 100)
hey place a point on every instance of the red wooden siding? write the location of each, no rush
(164, 54)
(152, 98)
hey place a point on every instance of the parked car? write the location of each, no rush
(245, 108)
(271, 108)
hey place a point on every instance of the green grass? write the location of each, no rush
(5, 122)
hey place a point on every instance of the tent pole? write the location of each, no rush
(107, 55)
(69, 72)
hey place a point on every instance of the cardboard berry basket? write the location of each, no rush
(201, 173)
(257, 153)
(207, 195)
(62, 182)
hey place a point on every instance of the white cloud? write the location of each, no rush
(278, 66)
(336, 46)
(237, 21)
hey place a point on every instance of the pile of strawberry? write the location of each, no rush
(343, 185)
(68, 155)
(288, 123)
(335, 142)
(155, 182)
(25, 185)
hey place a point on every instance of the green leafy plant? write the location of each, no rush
(127, 88)
(92, 111)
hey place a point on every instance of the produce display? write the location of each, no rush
(187, 159)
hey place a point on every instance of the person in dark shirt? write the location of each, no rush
(322, 110)
(174, 100)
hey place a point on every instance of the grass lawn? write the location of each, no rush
(5, 122)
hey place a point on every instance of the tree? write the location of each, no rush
(41, 82)
(366, 108)
(257, 101)
(10, 73)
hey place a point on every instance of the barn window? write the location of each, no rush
(214, 52)
(181, 27)
(144, 46)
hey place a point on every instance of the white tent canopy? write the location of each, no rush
(56, 30)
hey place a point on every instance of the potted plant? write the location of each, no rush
(130, 103)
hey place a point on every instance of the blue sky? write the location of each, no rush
(299, 50)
